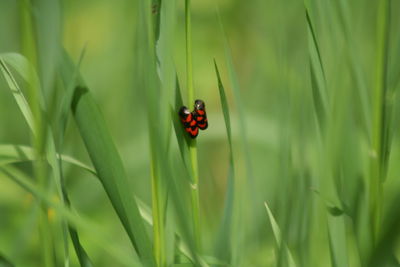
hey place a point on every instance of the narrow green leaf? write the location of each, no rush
(19, 153)
(108, 165)
(384, 253)
(181, 135)
(64, 108)
(17, 60)
(337, 241)
(247, 184)
(224, 242)
(336, 231)
(278, 238)
(356, 71)
(93, 230)
(23, 68)
(318, 81)
(4, 262)
(378, 163)
(237, 99)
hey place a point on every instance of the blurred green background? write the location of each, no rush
(284, 158)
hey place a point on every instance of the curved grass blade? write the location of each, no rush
(14, 87)
(108, 164)
(19, 153)
(237, 99)
(61, 120)
(64, 108)
(248, 183)
(224, 242)
(23, 68)
(10, 154)
(93, 230)
(181, 135)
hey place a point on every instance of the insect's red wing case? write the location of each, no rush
(189, 122)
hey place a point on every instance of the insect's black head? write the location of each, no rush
(184, 112)
(199, 104)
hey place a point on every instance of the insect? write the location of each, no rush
(200, 114)
(195, 120)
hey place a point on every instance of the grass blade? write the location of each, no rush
(281, 245)
(379, 123)
(337, 240)
(10, 153)
(194, 188)
(181, 135)
(4, 262)
(224, 242)
(17, 60)
(318, 81)
(22, 66)
(93, 230)
(357, 73)
(237, 99)
(247, 183)
(108, 165)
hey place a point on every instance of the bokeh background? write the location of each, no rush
(285, 159)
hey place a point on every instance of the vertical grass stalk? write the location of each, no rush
(158, 218)
(379, 98)
(38, 138)
(192, 146)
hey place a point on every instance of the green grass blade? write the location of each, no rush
(194, 188)
(108, 165)
(64, 108)
(337, 241)
(281, 245)
(4, 262)
(318, 81)
(224, 242)
(384, 253)
(237, 99)
(18, 153)
(181, 136)
(357, 72)
(17, 60)
(379, 122)
(23, 68)
(248, 183)
(93, 230)
(42, 140)
(56, 161)
(10, 153)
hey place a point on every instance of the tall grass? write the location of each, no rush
(298, 165)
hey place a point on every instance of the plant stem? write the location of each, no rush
(189, 63)
(379, 97)
(38, 137)
(192, 147)
(158, 219)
